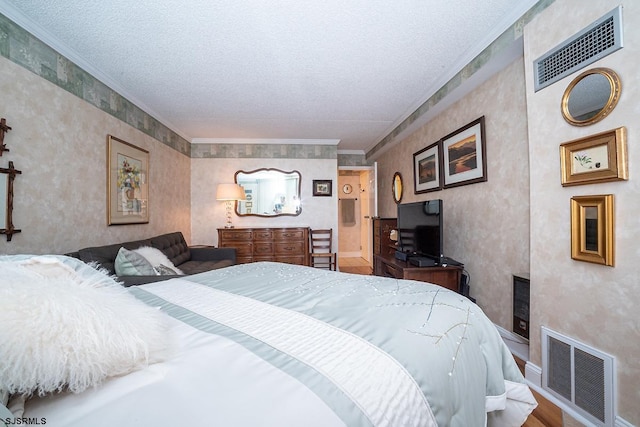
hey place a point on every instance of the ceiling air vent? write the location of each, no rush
(591, 44)
(580, 376)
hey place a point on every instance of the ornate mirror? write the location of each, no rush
(6, 200)
(269, 192)
(591, 96)
(396, 187)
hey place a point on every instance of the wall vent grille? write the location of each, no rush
(580, 376)
(598, 40)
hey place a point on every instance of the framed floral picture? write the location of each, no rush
(597, 158)
(464, 155)
(127, 183)
(427, 169)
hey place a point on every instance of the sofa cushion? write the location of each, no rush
(173, 246)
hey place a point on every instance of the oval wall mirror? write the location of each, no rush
(397, 187)
(591, 96)
(269, 192)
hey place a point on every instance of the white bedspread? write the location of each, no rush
(268, 344)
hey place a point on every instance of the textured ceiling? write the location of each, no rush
(278, 69)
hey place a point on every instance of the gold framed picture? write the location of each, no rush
(592, 229)
(127, 183)
(597, 158)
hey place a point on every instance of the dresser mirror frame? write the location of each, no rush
(269, 193)
(591, 96)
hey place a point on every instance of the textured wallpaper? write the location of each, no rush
(59, 142)
(594, 304)
(486, 225)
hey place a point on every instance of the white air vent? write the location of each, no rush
(591, 44)
(580, 376)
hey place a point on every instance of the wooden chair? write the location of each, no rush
(320, 254)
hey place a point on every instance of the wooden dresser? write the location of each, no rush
(289, 245)
(382, 243)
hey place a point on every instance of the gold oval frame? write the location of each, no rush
(614, 96)
(397, 187)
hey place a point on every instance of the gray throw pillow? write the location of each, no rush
(129, 263)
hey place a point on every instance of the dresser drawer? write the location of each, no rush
(262, 248)
(391, 271)
(289, 248)
(289, 235)
(263, 235)
(245, 235)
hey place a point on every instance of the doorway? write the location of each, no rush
(357, 202)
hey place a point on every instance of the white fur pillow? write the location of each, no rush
(65, 328)
(156, 258)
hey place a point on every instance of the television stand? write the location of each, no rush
(389, 266)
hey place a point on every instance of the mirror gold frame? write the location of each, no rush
(607, 105)
(592, 229)
(396, 187)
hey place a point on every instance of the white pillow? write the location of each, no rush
(63, 329)
(130, 263)
(156, 258)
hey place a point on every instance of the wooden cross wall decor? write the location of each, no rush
(10, 230)
(3, 128)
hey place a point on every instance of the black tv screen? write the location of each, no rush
(420, 228)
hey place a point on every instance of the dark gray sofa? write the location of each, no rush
(190, 260)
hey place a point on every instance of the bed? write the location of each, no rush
(260, 344)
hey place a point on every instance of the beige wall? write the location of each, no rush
(486, 224)
(58, 141)
(594, 304)
(209, 214)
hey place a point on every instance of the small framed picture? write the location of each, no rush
(597, 158)
(592, 229)
(322, 187)
(464, 155)
(427, 167)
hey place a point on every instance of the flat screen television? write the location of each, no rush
(420, 229)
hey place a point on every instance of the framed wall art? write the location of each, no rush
(592, 229)
(464, 155)
(597, 158)
(127, 183)
(322, 187)
(427, 169)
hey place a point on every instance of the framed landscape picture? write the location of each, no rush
(464, 155)
(127, 183)
(322, 187)
(427, 167)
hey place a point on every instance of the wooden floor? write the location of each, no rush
(354, 265)
(545, 415)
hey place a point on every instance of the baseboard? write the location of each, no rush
(533, 376)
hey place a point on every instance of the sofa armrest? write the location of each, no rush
(212, 254)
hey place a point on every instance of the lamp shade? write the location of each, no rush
(229, 192)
